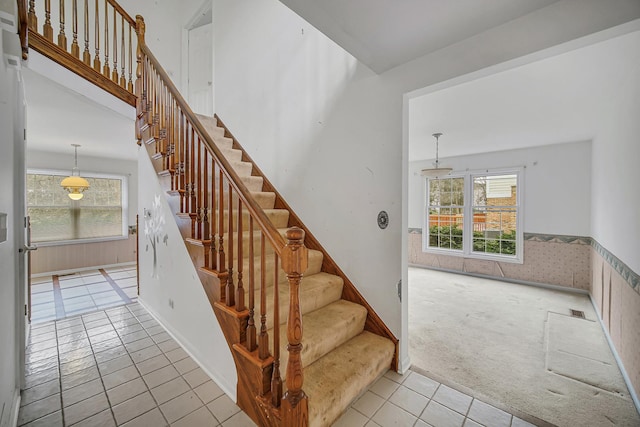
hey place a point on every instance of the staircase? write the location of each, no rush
(264, 273)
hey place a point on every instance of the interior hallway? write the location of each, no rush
(517, 347)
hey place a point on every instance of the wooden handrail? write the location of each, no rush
(272, 234)
(122, 12)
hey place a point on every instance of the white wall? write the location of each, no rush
(11, 125)
(616, 152)
(557, 192)
(191, 319)
(329, 132)
(325, 130)
(64, 162)
(165, 20)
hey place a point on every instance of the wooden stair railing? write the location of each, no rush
(216, 203)
(101, 24)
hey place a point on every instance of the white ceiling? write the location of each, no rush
(386, 33)
(58, 117)
(564, 98)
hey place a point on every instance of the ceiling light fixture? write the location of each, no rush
(436, 172)
(75, 184)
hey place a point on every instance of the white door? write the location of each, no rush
(201, 69)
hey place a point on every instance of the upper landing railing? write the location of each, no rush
(95, 39)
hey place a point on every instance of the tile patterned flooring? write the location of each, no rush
(55, 297)
(118, 366)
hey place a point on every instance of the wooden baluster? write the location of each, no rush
(263, 339)
(221, 255)
(240, 256)
(212, 214)
(251, 324)
(23, 28)
(144, 85)
(123, 78)
(175, 146)
(106, 70)
(205, 200)
(276, 379)
(230, 291)
(183, 130)
(86, 56)
(33, 19)
(62, 38)
(192, 192)
(187, 169)
(75, 49)
(47, 29)
(294, 263)
(114, 74)
(162, 142)
(130, 83)
(199, 190)
(96, 56)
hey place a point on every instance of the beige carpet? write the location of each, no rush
(517, 346)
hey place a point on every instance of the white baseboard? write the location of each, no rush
(404, 365)
(74, 270)
(12, 419)
(626, 378)
(229, 389)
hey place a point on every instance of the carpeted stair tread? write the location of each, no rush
(314, 267)
(344, 319)
(335, 380)
(316, 291)
(278, 217)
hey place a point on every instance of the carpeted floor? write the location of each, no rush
(517, 347)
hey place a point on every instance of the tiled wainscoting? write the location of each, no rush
(79, 256)
(555, 260)
(616, 293)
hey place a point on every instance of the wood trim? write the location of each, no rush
(373, 323)
(55, 53)
(122, 12)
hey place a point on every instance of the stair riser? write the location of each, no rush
(311, 299)
(316, 341)
(278, 217)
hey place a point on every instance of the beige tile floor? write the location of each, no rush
(120, 367)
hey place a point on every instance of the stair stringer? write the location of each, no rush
(253, 379)
(373, 323)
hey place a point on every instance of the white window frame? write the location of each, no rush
(467, 234)
(88, 174)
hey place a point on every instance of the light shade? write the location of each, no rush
(76, 195)
(75, 184)
(435, 173)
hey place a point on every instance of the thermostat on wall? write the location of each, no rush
(3, 227)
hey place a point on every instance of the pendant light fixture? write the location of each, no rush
(436, 172)
(75, 184)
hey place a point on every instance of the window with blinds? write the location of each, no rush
(54, 217)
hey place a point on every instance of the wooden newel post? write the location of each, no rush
(140, 96)
(295, 258)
